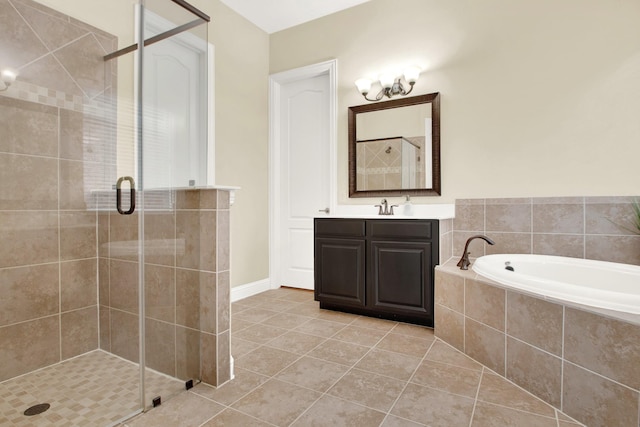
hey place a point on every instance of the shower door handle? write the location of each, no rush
(132, 192)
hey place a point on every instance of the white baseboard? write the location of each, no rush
(249, 289)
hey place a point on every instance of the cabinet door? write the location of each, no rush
(339, 271)
(400, 277)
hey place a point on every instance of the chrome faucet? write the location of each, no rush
(464, 261)
(386, 210)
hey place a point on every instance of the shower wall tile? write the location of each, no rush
(124, 334)
(77, 235)
(71, 135)
(28, 238)
(209, 240)
(160, 292)
(188, 289)
(103, 282)
(35, 183)
(224, 357)
(208, 302)
(103, 234)
(29, 346)
(28, 128)
(105, 328)
(188, 233)
(223, 241)
(208, 358)
(187, 353)
(72, 185)
(123, 289)
(21, 43)
(223, 302)
(79, 331)
(160, 233)
(123, 236)
(160, 343)
(28, 293)
(78, 284)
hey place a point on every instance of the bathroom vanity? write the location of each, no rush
(377, 267)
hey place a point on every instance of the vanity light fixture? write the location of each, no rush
(8, 76)
(391, 85)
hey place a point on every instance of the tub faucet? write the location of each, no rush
(464, 261)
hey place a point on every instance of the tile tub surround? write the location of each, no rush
(187, 292)
(54, 149)
(579, 227)
(586, 363)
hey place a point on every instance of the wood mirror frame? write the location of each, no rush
(434, 100)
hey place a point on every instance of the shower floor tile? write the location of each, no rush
(94, 389)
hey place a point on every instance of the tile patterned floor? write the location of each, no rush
(297, 365)
(95, 389)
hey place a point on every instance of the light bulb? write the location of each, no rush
(363, 85)
(411, 74)
(8, 76)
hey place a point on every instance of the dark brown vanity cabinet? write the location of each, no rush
(382, 268)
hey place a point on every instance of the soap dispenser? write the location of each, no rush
(407, 208)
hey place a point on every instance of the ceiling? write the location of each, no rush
(276, 15)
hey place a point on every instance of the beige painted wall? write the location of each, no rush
(241, 116)
(539, 98)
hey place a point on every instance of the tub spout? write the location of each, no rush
(464, 261)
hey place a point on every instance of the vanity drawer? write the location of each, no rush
(409, 229)
(340, 227)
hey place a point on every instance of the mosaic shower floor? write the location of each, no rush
(94, 389)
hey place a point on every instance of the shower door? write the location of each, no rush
(152, 307)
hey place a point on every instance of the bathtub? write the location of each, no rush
(598, 284)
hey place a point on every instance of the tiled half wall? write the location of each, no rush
(579, 227)
(584, 363)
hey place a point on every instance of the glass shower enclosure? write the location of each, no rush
(99, 294)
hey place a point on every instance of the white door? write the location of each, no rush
(175, 109)
(304, 174)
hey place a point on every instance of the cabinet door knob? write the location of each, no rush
(325, 210)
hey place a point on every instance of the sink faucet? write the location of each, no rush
(464, 261)
(386, 210)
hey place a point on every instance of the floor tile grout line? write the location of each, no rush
(475, 401)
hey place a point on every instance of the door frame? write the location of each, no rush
(276, 81)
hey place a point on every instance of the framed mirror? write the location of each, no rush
(394, 147)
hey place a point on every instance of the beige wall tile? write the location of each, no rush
(222, 249)
(79, 331)
(469, 217)
(35, 182)
(623, 249)
(558, 217)
(224, 357)
(160, 293)
(160, 233)
(28, 293)
(28, 238)
(508, 217)
(486, 303)
(484, 344)
(223, 302)
(72, 185)
(449, 326)
(208, 362)
(188, 298)
(123, 236)
(509, 243)
(72, 135)
(449, 291)
(476, 248)
(187, 353)
(536, 371)
(535, 321)
(28, 346)
(124, 335)
(606, 346)
(28, 128)
(87, 71)
(105, 328)
(123, 281)
(103, 282)
(609, 215)
(77, 235)
(160, 346)
(78, 284)
(570, 245)
(188, 231)
(596, 401)
(223, 200)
